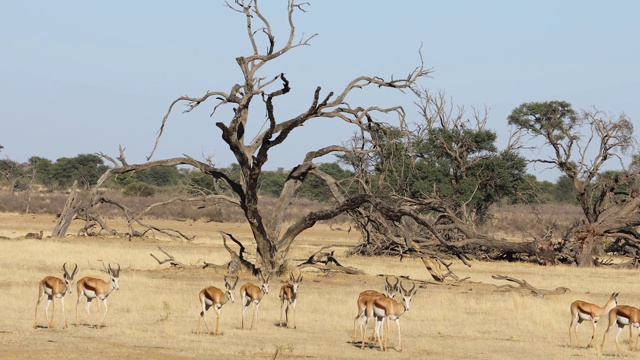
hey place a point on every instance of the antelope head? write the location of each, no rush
(115, 277)
(230, 288)
(264, 283)
(407, 295)
(391, 289)
(295, 281)
(68, 278)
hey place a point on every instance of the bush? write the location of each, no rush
(139, 190)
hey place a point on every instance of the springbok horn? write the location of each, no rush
(413, 287)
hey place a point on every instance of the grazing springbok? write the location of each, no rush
(51, 287)
(93, 288)
(622, 316)
(582, 310)
(390, 290)
(289, 297)
(212, 296)
(252, 294)
(385, 309)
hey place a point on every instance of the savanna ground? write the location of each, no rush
(154, 315)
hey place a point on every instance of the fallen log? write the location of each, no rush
(524, 285)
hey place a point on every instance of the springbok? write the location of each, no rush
(212, 296)
(52, 286)
(390, 290)
(622, 316)
(385, 309)
(93, 288)
(289, 297)
(582, 310)
(252, 294)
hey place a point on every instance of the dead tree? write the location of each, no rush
(69, 211)
(581, 145)
(273, 238)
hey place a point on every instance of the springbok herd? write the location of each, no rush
(371, 304)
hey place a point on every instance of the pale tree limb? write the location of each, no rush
(524, 285)
(325, 261)
(171, 260)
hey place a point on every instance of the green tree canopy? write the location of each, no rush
(160, 176)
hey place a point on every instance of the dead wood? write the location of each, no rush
(331, 267)
(434, 266)
(324, 257)
(631, 264)
(524, 285)
(132, 218)
(178, 264)
(238, 262)
(71, 208)
(325, 261)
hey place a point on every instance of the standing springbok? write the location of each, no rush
(289, 297)
(582, 310)
(385, 309)
(390, 291)
(622, 316)
(212, 296)
(252, 294)
(93, 288)
(52, 286)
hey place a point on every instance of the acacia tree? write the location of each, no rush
(12, 172)
(257, 91)
(581, 145)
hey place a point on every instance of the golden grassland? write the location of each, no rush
(154, 315)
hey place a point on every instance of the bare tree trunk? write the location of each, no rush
(68, 212)
(584, 257)
(30, 191)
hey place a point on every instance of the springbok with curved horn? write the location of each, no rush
(390, 291)
(252, 294)
(385, 309)
(622, 316)
(93, 288)
(582, 310)
(51, 287)
(212, 296)
(289, 297)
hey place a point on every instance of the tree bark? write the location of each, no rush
(68, 212)
(586, 249)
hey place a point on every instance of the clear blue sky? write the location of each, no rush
(84, 76)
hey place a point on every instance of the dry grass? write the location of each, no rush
(154, 315)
